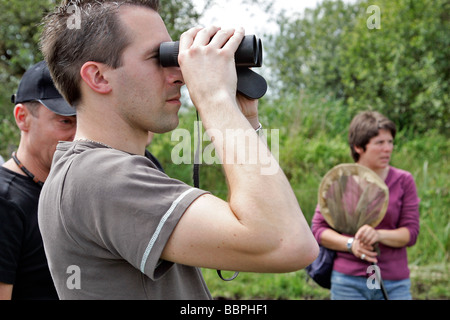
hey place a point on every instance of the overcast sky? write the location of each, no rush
(232, 13)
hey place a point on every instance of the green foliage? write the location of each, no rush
(428, 158)
(305, 52)
(19, 36)
(401, 69)
(288, 286)
(9, 137)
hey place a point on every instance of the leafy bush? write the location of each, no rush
(400, 69)
(9, 137)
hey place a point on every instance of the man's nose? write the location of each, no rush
(175, 76)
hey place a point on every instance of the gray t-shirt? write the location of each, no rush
(105, 217)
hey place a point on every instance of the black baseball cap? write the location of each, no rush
(37, 85)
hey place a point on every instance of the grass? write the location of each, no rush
(429, 282)
(248, 286)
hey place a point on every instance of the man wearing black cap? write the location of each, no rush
(44, 118)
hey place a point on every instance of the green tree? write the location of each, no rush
(400, 69)
(403, 68)
(305, 53)
(19, 36)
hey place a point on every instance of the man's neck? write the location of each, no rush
(118, 139)
(30, 163)
(106, 126)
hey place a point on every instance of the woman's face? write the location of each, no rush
(378, 151)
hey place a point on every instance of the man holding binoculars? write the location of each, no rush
(131, 231)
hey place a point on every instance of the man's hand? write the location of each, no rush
(206, 59)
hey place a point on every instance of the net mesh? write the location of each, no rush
(350, 196)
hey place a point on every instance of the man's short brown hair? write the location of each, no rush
(97, 35)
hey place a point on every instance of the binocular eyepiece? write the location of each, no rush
(248, 55)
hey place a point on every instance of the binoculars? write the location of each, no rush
(248, 55)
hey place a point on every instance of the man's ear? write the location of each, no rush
(93, 75)
(359, 150)
(22, 116)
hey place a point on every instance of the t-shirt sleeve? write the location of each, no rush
(11, 233)
(130, 209)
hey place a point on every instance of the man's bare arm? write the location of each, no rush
(261, 227)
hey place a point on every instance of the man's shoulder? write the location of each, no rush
(18, 195)
(84, 155)
(88, 162)
(15, 186)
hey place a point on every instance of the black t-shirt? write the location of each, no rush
(22, 257)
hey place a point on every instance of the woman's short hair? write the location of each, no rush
(364, 127)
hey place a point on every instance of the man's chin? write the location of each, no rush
(168, 127)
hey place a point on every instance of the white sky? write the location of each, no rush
(232, 13)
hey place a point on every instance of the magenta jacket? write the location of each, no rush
(403, 211)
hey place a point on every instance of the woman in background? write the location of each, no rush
(371, 140)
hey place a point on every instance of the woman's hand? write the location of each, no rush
(367, 235)
(364, 251)
(365, 240)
